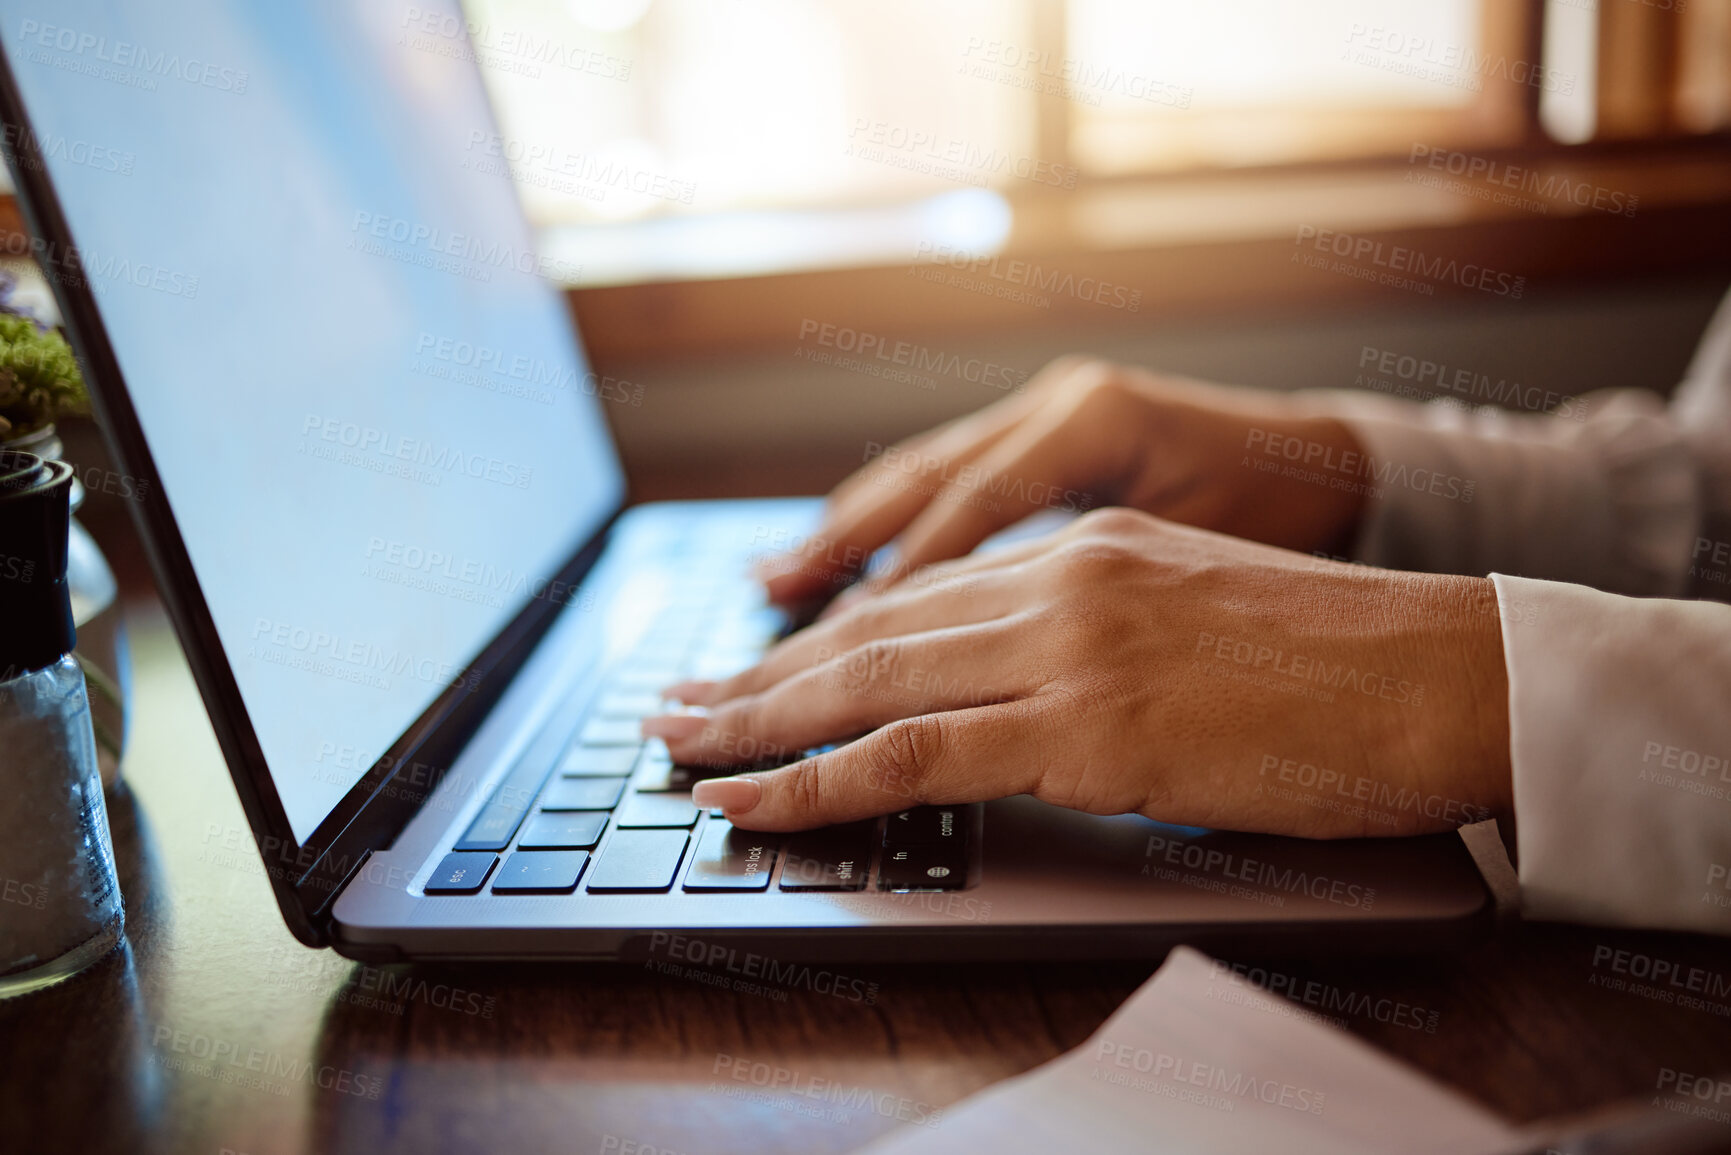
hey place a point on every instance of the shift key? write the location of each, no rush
(832, 858)
(638, 860)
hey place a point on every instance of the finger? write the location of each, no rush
(954, 439)
(992, 572)
(905, 610)
(855, 692)
(880, 499)
(952, 525)
(952, 757)
(958, 572)
(963, 437)
(1084, 436)
(828, 559)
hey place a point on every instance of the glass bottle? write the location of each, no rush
(60, 907)
(103, 650)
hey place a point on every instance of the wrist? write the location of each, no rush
(1302, 483)
(1485, 667)
(1246, 462)
(1469, 727)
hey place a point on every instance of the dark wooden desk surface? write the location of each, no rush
(213, 1030)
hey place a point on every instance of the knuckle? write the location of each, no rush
(1102, 383)
(859, 667)
(1082, 372)
(1100, 393)
(1071, 779)
(1090, 560)
(742, 718)
(1113, 521)
(804, 786)
(910, 749)
(881, 656)
(940, 577)
(1060, 371)
(856, 627)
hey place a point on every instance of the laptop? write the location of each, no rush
(391, 528)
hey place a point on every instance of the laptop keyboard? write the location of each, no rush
(613, 814)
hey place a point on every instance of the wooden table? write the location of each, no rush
(213, 1031)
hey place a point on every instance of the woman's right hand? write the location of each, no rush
(1086, 433)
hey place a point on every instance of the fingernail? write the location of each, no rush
(674, 727)
(734, 795)
(693, 693)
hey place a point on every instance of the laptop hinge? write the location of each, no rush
(332, 885)
(405, 778)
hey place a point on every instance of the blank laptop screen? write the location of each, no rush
(369, 410)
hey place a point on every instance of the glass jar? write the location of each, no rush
(60, 907)
(96, 611)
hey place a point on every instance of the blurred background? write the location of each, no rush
(792, 229)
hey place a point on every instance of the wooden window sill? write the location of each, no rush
(1113, 254)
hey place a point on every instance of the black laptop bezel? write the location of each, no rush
(305, 877)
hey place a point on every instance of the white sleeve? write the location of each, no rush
(1615, 490)
(1620, 724)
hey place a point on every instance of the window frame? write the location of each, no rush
(1505, 113)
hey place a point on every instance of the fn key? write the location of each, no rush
(923, 868)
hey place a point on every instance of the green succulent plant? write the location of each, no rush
(39, 377)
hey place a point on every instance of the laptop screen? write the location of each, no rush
(369, 411)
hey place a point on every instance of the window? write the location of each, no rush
(727, 105)
(1268, 81)
(784, 119)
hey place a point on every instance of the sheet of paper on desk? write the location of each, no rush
(1199, 1060)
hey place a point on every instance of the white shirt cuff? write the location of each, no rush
(1620, 728)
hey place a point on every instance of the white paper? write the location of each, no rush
(1199, 1060)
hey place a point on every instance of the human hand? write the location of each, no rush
(1085, 434)
(1129, 664)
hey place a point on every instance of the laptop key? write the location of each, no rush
(650, 678)
(658, 774)
(922, 867)
(504, 811)
(635, 704)
(583, 794)
(728, 858)
(663, 810)
(541, 872)
(661, 776)
(492, 828)
(563, 830)
(613, 732)
(639, 861)
(661, 649)
(929, 825)
(598, 761)
(723, 664)
(461, 872)
(832, 858)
